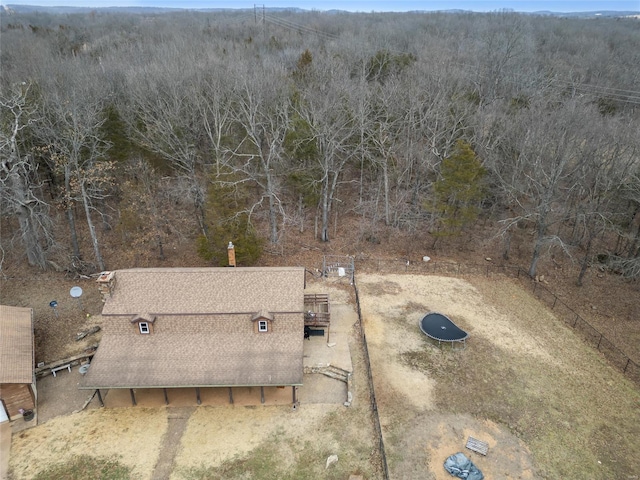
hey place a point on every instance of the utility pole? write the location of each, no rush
(255, 17)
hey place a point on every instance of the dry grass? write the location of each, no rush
(130, 437)
(549, 405)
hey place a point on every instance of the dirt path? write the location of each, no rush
(178, 418)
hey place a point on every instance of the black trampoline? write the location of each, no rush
(439, 327)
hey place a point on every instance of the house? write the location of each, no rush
(17, 381)
(167, 328)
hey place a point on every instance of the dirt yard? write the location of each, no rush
(548, 405)
(210, 441)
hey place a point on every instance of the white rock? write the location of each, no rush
(331, 459)
(426, 259)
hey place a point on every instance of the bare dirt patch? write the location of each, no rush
(54, 330)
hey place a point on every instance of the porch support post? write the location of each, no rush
(166, 397)
(198, 395)
(261, 394)
(230, 396)
(100, 397)
(133, 397)
(293, 391)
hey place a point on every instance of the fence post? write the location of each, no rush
(575, 322)
(555, 299)
(535, 285)
(598, 347)
(626, 365)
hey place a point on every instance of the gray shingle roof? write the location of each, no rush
(16, 345)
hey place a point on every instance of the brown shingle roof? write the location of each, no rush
(195, 360)
(16, 345)
(206, 290)
(208, 358)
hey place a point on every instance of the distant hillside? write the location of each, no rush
(62, 10)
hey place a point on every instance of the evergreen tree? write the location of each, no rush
(459, 190)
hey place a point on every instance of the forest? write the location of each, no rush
(129, 130)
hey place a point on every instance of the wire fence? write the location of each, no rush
(588, 332)
(374, 404)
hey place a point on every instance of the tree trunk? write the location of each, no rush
(326, 206)
(585, 261)
(160, 246)
(273, 214)
(385, 174)
(507, 245)
(634, 244)
(541, 232)
(106, 226)
(35, 253)
(301, 212)
(198, 202)
(92, 228)
(534, 260)
(75, 247)
(537, 248)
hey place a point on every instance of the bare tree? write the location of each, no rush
(539, 175)
(19, 181)
(214, 105)
(261, 108)
(502, 42)
(71, 130)
(608, 157)
(144, 214)
(328, 105)
(164, 118)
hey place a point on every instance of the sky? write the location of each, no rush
(361, 5)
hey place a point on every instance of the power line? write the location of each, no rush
(596, 91)
(281, 22)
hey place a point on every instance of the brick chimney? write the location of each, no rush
(232, 254)
(106, 283)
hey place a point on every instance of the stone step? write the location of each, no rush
(332, 374)
(329, 371)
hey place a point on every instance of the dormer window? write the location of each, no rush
(144, 323)
(262, 322)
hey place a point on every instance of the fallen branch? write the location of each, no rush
(91, 331)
